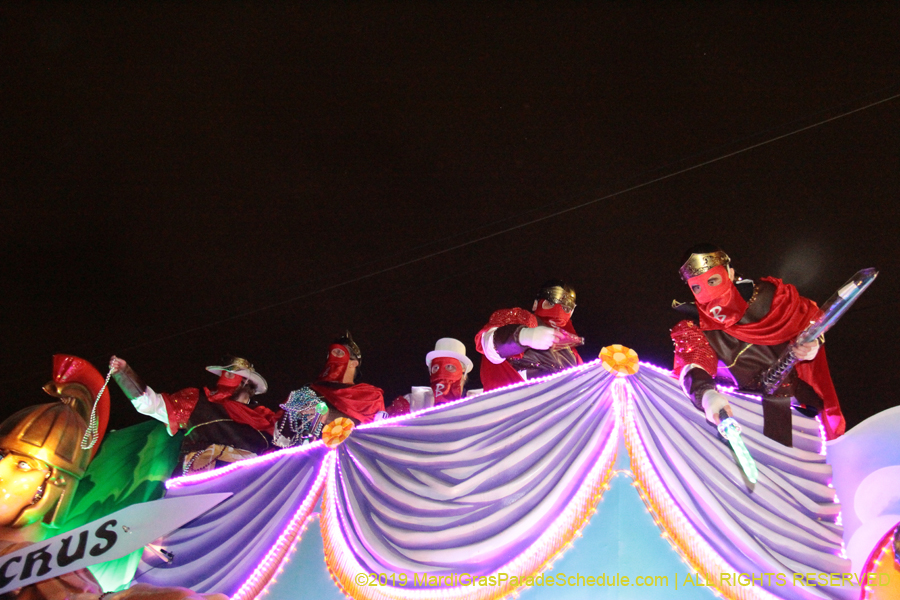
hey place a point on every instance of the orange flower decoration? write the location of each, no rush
(337, 431)
(619, 360)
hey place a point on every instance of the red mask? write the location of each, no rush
(720, 305)
(226, 387)
(446, 379)
(555, 315)
(336, 366)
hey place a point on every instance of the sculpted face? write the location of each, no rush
(20, 479)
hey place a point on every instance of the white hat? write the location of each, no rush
(242, 368)
(449, 348)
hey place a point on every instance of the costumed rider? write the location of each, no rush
(336, 390)
(221, 426)
(737, 331)
(519, 345)
(449, 368)
(44, 453)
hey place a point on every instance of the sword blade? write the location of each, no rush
(731, 431)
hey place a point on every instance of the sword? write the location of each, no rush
(107, 538)
(731, 431)
(832, 311)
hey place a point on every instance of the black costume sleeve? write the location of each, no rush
(695, 383)
(506, 340)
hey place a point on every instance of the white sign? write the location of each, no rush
(109, 538)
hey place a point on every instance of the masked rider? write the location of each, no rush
(746, 325)
(337, 390)
(518, 345)
(449, 369)
(221, 426)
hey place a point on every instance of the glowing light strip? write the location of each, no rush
(822, 434)
(676, 527)
(733, 391)
(263, 574)
(661, 370)
(882, 550)
(736, 392)
(177, 482)
(511, 386)
(343, 566)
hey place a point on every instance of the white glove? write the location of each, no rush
(713, 402)
(539, 338)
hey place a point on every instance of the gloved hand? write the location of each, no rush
(806, 351)
(117, 364)
(539, 338)
(713, 402)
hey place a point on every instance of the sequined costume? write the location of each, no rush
(213, 434)
(739, 354)
(499, 339)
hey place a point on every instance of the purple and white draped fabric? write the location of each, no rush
(473, 486)
(785, 523)
(232, 547)
(501, 482)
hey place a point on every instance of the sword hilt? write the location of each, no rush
(778, 372)
(727, 424)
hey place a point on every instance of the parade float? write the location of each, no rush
(582, 483)
(599, 481)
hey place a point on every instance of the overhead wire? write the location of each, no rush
(506, 230)
(512, 228)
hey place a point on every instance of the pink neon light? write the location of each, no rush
(346, 562)
(874, 561)
(177, 482)
(260, 579)
(822, 434)
(683, 527)
(667, 372)
(401, 418)
(288, 555)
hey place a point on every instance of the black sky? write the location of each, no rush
(165, 167)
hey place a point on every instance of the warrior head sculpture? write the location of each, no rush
(43, 453)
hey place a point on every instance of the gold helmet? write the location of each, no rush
(346, 340)
(52, 433)
(558, 292)
(701, 258)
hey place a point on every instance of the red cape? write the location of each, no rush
(361, 401)
(790, 314)
(180, 405)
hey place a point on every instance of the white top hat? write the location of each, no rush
(242, 368)
(449, 348)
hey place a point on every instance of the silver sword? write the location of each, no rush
(832, 311)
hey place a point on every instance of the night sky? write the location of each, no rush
(184, 181)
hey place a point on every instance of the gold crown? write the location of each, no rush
(698, 264)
